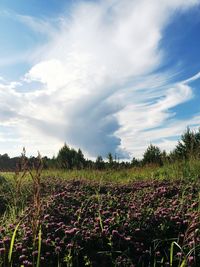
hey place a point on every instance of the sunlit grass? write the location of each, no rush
(170, 171)
(18, 198)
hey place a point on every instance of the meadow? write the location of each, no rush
(144, 217)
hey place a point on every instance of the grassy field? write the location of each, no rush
(178, 170)
(133, 217)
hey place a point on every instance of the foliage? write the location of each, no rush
(144, 223)
(100, 164)
(110, 158)
(135, 162)
(69, 158)
(152, 155)
(188, 146)
(150, 219)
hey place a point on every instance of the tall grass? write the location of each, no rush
(178, 170)
(189, 169)
(35, 176)
(12, 245)
(39, 247)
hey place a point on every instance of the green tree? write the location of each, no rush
(135, 162)
(69, 158)
(110, 160)
(100, 164)
(152, 155)
(64, 157)
(79, 159)
(188, 146)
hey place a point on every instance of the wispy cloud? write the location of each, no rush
(148, 122)
(100, 88)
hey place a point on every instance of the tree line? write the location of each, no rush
(188, 147)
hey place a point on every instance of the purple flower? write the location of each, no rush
(58, 250)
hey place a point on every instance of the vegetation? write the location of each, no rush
(188, 146)
(69, 159)
(152, 155)
(70, 211)
(148, 222)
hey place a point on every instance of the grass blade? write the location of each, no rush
(12, 243)
(39, 247)
(172, 251)
(183, 264)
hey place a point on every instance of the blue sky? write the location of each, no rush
(105, 76)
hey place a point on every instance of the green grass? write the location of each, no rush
(12, 244)
(181, 170)
(177, 170)
(189, 170)
(39, 247)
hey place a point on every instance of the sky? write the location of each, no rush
(100, 75)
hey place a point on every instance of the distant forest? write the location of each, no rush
(188, 147)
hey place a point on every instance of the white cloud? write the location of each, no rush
(194, 78)
(99, 86)
(144, 122)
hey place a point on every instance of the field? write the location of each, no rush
(133, 217)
